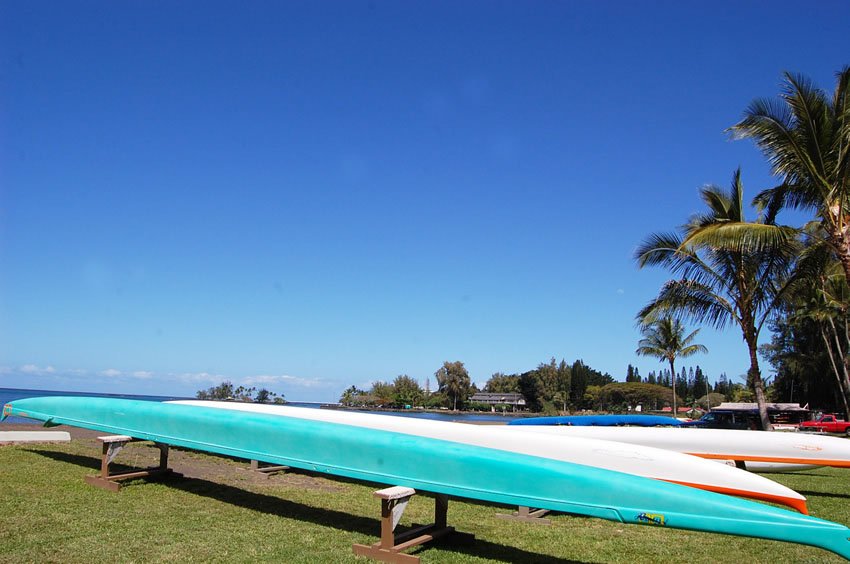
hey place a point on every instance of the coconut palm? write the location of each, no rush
(805, 136)
(665, 339)
(731, 272)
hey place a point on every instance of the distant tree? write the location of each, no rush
(722, 386)
(740, 393)
(665, 339)
(579, 383)
(564, 381)
(628, 395)
(547, 388)
(436, 400)
(690, 382)
(502, 384)
(710, 400)
(453, 380)
(382, 393)
(548, 374)
(244, 394)
(701, 386)
(406, 391)
(227, 392)
(532, 389)
(352, 396)
(223, 391)
(597, 378)
(591, 396)
(682, 384)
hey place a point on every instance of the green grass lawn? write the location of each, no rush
(221, 512)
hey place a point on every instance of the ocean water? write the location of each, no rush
(11, 394)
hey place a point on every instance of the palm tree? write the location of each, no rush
(806, 138)
(665, 339)
(732, 272)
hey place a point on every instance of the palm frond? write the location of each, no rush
(692, 350)
(691, 300)
(811, 112)
(771, 124)
(659, 249)
(841, 140)
(742, 237)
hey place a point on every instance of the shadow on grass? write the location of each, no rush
(823, 494)
(320, 516)
(791, 473)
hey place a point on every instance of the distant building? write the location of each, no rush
(771, 407)
(512, 399)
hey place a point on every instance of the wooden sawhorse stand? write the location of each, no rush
(527, 515)
(266, 470)
(393, 502)
(112, 445)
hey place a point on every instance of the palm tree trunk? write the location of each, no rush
(844, 384)
(673, 380)
(754, 376)
(835, 371)
(841, 244)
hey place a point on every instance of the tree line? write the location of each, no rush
(552, 387)
(227, 392)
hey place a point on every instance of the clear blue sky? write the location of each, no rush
(309, 195)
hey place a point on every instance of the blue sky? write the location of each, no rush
(305, 196)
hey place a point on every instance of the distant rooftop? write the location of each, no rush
(509, 398)
(738, 406)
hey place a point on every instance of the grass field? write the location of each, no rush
(221, 512)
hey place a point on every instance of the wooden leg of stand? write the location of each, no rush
(104, 461)
(527, 515)
(441, 509)
(163, 457)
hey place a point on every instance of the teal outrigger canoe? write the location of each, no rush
(436, 465)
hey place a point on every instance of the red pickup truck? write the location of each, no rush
(827, 424)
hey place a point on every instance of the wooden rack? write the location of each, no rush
(112, 445)
(389, 549)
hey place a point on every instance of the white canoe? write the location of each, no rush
(755, 448)
(618, 456)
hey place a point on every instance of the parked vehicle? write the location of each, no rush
(827, 424)
(783, 416)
